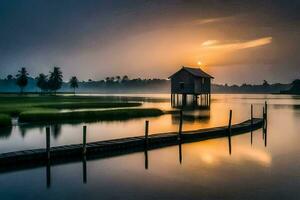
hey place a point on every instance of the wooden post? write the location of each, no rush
(48, 142)
(84, 140)
(180, 126)
(184, 100)
(146, 133)
(251, 117)
(266, 114)
(251, 124)
(264, 122)
(229, 131)
(229, 123)
(266, 109)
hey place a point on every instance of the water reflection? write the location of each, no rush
(190, 102)
(211, 152)
(5, 132)
(84, 169)
(48, 174)
(180, 151)
(56, 130)
(192, 116)
(146, 158)
(229, 144)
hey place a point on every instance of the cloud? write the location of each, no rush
(209, 43)
(214, 44)
(211, 20)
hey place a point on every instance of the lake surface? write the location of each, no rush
(206, 171)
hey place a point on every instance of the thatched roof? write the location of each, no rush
(197, 72)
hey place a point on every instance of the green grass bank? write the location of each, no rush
(85, 116)
(5, 121)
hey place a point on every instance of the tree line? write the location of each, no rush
(46, 83)
(53, 82)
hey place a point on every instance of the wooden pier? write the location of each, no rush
(72, 153)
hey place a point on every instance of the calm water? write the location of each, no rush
(207, 171)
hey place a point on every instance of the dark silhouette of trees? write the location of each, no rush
(125, 79)
(55, 79)
(265, 83)
(74, 83)
(9, 77)
(22, 79)
(118, 78)
(42, 82)
(295, 89)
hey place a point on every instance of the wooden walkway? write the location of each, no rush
(72, 153)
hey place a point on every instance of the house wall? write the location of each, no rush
(182, 77)
(202, 87)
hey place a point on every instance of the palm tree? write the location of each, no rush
(9, 77)
(74, 83)
(112, 79)
(56, 79)
(125, 78)
(118, 78)
(42, 82)
(22, 79)
(107, 79)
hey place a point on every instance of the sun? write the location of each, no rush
(199, 63)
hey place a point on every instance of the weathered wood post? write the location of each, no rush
(84, 140)
(180, 152)
(264, 123)
(251, 124)
(48, 142)
(146, 133)
(180, 126)
(251, 117)
(266, 114)
(229, 131)
(229, 123)
(266, 109)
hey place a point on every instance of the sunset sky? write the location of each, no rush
(236, 41)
